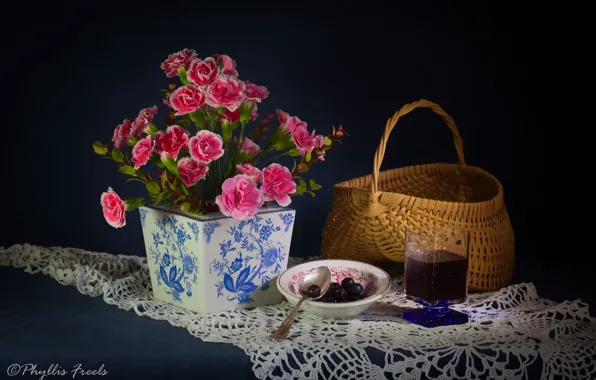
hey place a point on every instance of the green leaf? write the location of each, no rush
(328, 141)
(164, 179)
(195, 211)
(180, 198)
(141, 172)
(221, 110)
(152, 130)
(182, 75)
(198, 117)
(100, 151)
(302, 168)
(183, 120)
(127, 170)
(134, 203)
(307, 156)
(184, 207)
(314, 185)
(301, 182)
(242, 157)
(132, 141)
(300, 189)
(134, 179)
(152, 188)
(99, 148)
(294, 152)
(117, 155)
(163, 195)
(170, 164)
(156, 161)
(311, 193)
(286, 142)
(184, 190)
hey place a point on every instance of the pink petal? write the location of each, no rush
(283, 199)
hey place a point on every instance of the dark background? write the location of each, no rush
(514, 79)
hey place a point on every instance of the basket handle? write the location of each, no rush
(380, 153)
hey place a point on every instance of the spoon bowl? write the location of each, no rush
(321, 277)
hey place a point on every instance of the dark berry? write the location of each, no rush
(347, 282)
(354, 289)
(341, 295)
(356, 297)
(334, 285)
(313, 291)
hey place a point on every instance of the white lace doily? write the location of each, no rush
(509, 330)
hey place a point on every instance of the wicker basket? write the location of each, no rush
(370, 214)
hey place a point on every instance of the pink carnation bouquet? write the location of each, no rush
(212, 151)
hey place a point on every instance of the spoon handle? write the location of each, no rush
(285, 326)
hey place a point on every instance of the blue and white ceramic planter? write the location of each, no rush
(213, 263)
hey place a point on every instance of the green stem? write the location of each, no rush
(241, 133)
(263, 152)
(280, 155)
(219, 175)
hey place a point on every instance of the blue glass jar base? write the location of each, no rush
(435, 316)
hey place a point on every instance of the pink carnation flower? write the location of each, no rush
(294, 122)
(122, 134)
(191, 170)
(206, 146)
(145, 118)
(304, 142)
(254, 173)
(249, 147)
(255, 93)
(114, 209)
(177, 60)
(277, 184)
(202, 72)
(226, 91)
(142, 151)
(240, 198)
(283, 117)
(227, 64)
(172, 140)
(187, 99)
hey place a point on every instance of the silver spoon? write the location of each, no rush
(321, 277)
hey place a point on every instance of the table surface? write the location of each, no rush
(45, 323)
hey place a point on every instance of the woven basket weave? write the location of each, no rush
(370, 214)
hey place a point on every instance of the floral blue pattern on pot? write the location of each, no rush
(143, 214)
(248, 259)
(176, 267)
